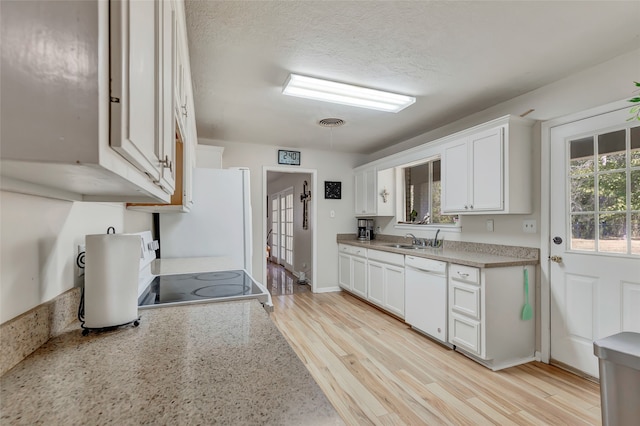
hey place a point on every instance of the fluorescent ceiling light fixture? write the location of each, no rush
(345, 94)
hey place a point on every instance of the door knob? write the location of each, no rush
(557, 259)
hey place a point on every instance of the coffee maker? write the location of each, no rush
(365, 229)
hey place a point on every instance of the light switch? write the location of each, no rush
(490, 225)
(332, 213)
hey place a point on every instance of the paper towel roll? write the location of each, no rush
(112, 266)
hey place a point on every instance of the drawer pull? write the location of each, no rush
(463, 275)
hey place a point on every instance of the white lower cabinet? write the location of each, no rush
(373, 275)
(394, 290)
(359, 265)
(485, 315)
(386, 281)
(376, 282)
(352, 269)
(344, 271)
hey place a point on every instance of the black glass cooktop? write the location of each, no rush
(185, 288)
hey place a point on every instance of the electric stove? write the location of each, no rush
(201, 288)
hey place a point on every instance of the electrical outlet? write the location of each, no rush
(79, 260)
(529, 226)
(490, 225)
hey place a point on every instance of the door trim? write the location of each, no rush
(313, 213)
(545, 214)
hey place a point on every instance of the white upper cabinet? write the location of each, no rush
(179, 132)
(88, 84)
(141, 76)
(489, 170)
(369, 186)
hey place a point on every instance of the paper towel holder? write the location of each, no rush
(110, 294)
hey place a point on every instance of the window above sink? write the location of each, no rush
(419, 187)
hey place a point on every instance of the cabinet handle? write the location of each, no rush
(463, 275)
(166, 163)
(466, 207)
(184, 110)
(471, 206)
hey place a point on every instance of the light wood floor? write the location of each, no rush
(280, 281)
(376, 370)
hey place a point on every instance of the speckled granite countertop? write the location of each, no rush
(462, 253)
(218, 363)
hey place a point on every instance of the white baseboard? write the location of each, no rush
(328, 289)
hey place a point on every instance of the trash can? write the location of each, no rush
(619, 362)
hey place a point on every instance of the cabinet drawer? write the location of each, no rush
(465, 332)
(467, 274)
(385, 257)
(465, 299)
(354, 250)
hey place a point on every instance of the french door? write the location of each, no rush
(282, 228)
(594, 250)
(275, 228)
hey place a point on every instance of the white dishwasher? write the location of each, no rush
(426, 296)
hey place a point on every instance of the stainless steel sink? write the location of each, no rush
(404, 246)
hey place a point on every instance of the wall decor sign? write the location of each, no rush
(291, 158)
(332, 190)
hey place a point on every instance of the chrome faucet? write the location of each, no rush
(414, 240)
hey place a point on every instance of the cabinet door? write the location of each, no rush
(455, 194)
(465, 299)
(181, 71)
(394, 290)
(487, 170)
(166, 120)
(375, 292)
(344, 271)
(360, 193)
(359, 266)
(365, 192)
(465, 332)
(370, 191)
(135, 96)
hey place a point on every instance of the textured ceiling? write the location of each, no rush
(457, 58)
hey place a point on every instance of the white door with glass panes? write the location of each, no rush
(275, 228)
(594, 271)
(286, 229)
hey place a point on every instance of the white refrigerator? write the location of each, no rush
(219, 223)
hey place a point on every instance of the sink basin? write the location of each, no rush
(405, 246)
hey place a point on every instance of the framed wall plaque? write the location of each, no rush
(332, 190)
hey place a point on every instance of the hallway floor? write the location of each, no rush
(282, 282)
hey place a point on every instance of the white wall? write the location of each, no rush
(330, 166)
(38, 245)
(302, 238)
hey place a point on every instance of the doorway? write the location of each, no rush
(593, 234)
(289, 219)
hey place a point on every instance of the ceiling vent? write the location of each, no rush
(331, 122)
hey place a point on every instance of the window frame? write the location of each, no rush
(401, 200)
